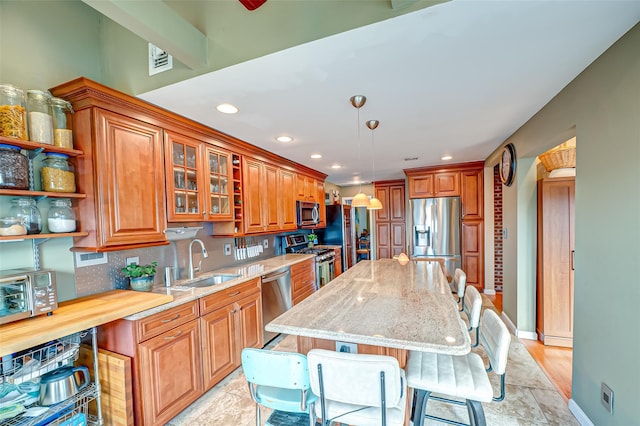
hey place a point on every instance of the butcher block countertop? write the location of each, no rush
(76, 315)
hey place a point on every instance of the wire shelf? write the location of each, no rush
(28, 366)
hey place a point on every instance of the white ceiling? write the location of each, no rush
(453, 79)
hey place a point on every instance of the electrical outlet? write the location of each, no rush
(606, 397)
(131, 260)
(505, 233)
(351, 348)
(265, 243)
(227, 249)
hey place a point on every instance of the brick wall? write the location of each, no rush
(497, 221)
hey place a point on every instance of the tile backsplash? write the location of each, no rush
(105, 277)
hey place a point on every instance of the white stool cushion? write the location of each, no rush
(458, 376)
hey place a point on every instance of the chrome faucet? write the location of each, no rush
(192, 269)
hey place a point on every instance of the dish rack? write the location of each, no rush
(28, 366)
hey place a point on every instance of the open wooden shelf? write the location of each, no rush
(39, 146)
(43, 236)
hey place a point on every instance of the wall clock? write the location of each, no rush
(508, 164)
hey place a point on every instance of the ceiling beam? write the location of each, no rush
(157, 23)
(399, 4)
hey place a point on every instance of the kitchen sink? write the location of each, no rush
(212, 280)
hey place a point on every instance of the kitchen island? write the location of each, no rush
(383, 307)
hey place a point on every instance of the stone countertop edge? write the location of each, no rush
(248, 271)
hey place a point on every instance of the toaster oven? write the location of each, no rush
(26, 293)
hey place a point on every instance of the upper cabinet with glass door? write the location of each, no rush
(219, 204)
(183, 178)
(198, 180)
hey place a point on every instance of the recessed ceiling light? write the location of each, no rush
(316, 156)
(284, 139)
(446, 158)
(227, 108)
(336, 166)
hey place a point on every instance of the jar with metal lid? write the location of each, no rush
(61, 217)
(26, 208)
(57, 174)
(13, 112)
(62, 133)
(14, 168)
(39, 117)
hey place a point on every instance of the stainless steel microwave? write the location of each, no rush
(26, 293)
(308, 214)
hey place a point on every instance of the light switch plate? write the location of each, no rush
(606, 397)
(227, 249)
(265, 243)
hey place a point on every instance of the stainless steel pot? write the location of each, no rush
(61, 384)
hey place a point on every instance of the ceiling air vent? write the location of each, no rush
(410, 158)
(159, 60)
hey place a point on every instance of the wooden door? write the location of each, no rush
(253, 193)
(249, 317)
(271, 198)
(383, 240)
(130, 181)
(219, 352)
(322, 204)
(288, 200)
(170, 373)
(391, 219)
(556, 239)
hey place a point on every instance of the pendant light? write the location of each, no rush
(361, 199)
(374, 203)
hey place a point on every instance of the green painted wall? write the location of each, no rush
(236, 35)
(601, 107)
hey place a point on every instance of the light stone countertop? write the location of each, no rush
(182, 294)
(383, 303)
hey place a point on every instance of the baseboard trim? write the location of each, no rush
(579, 414)
(529, 335)
(489, 291)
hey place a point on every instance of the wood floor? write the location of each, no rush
(555, 361)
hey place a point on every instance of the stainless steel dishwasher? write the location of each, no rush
(276, 298)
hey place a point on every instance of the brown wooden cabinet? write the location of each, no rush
(555, 267)
(166, 363)
(338, 261)
(125, 193)
(322, 205)
(288, 200)
(170, 373)
(231, 320)
(306, 189)
(472, 194)
(303, 280)
(269, 205)
(390, 221)
(185, 181)
(434, 184)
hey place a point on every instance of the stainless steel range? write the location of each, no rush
(325, 258)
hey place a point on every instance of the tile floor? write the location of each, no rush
(531, 399)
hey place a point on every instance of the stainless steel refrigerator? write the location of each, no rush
(435, 229)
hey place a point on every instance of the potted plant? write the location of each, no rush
(140, 276)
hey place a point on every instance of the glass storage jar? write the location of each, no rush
(11, 226)
(13, 112)
(39, 117)
(60, 217)
(26, 209)
(57, 174)
(14, 168)
(62, 133)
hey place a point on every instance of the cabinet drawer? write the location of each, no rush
(163, 321)
(229, 295)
